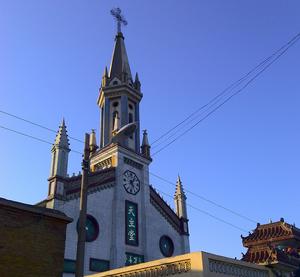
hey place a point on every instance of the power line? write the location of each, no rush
(196, 208)
(290, 44)
(32, 137)
(204, 106)
(206, 199)
(217, 99)
(35, 124)
(209, 214)
(229, 88)
(198, 196)
(213, 216)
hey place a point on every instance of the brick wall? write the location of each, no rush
(32, 241)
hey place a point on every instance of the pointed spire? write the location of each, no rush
(180, 199)
(104, 77)
(137, 82)
(61, 139)
(179, 188)
(93, 143)
(145, 145)
(119, 66)
(60, 152)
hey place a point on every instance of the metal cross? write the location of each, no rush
(116, 13)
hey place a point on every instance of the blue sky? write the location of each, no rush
(246, 156)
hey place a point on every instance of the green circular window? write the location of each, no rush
(166, 246)
(91, 228)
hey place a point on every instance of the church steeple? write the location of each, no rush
(60, 152)
(120, 95)
(119, 67)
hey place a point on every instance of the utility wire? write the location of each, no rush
(238, 82)
(202, 211)
(291, 43)
(205, 199)
(32, 137)
(35, 124)
(232, 86)
(198, 196)
(196, 208)
(209, 214)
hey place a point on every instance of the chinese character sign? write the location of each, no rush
(131, 211)
(132, 259)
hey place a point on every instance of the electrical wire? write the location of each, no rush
(291, 43)
(196, 208)
(229, 88)
(205, 199)
(209, 214)
(32, 137)
(202, 211)
(35, 124)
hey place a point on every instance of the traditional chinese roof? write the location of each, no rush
(271, 255)
(166, 211)
(273, 232)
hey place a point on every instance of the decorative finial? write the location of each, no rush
(116, 13)
(145, 145)
(93, 143)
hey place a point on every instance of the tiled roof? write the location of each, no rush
(277, 231)
(270, 255)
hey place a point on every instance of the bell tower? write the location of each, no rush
(127, 221)
(119, 99)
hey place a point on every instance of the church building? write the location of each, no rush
(128, 222)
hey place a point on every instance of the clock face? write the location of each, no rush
(91, 228)
(166, 246)
(131, 182)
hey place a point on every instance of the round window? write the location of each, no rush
(166, 246)
(91, 228)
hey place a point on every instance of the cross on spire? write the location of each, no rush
(116, 13)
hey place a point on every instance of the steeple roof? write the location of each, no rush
(119, 66)
(179, 188)
(61, 139)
